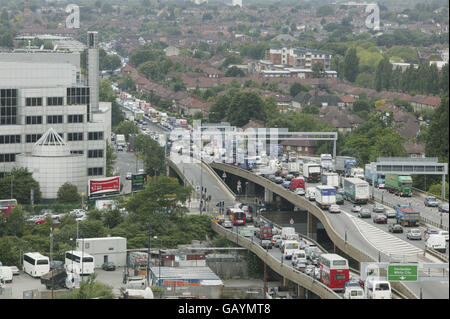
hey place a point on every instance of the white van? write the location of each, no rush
(443, 233)
(377, 289)
(436, 242)
(353, 292)
(289, 247)
(286, 232)
(310, 193)
(6, 274)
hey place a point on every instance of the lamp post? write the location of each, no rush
(159, 263)
(148, 254)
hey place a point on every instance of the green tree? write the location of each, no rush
(296, 88)
(152, 153)
(126, 128)
(438, 136)
(243, 106)
(68, 193)
(234, 71)
(318, 70)
(21, 184)
(111, 158)
(90, 289)
(436, 189)
(351, 65)
(112, 218)
(14, 224)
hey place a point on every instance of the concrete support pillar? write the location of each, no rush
(311, 226)
(443, 187)
(301, 292)
(251, 189)
(268, 196)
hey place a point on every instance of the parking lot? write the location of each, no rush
(24, 282)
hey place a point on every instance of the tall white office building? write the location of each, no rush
(44, 89)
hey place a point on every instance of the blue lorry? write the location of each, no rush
(407, 216)
(379, 178)
(344, 164)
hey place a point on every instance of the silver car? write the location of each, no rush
(228, 224)
(414, 233)
(335, 209)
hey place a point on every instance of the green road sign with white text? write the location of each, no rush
(402, 272)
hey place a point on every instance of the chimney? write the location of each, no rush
(92, 71)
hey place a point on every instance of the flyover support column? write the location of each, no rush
(268, 196)
(251, 189)
(443, 187)
(311, 226)
(301, 292)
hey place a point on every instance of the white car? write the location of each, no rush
(356, 208)
(228, 224)
(443, 233)
(129, 175)
(300, 191)
(335, 208)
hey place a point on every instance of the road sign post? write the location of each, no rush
(402, 272)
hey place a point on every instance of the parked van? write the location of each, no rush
(310, 193)
(6, 274)
(298, 182)
(436, 242)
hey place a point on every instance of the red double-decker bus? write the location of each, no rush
(334, 271)
(6, 205)
(238, 216)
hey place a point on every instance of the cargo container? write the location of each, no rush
(326, 161)
(356, 190)
(311, 172)
(344, 164)
(379, 178)
(400, 185)
(325, 196)
(330, 179)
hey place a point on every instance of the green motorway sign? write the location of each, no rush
(402, 272)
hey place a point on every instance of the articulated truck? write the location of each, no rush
(356, 190)
(407, 216)
(325, 196)
(400, 185)
(330, 179)
(369, 176)
(311, 172)
(344, 164)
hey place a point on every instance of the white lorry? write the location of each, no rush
(357, 172)
(287, 232)
(330, 179)
(325, 196)
(311, 172)
(120, 140)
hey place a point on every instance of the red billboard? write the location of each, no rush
(104, 186)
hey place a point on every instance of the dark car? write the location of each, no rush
(430, 201)
(279, 180)
(339, 199)
(443, 208)
(364, 213)
(266, 243)
(109, 266)
(380, 218)
(395, 228)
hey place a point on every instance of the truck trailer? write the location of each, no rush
(407, 216)
(344, 164)
(379, 178)
(400, 185)
(311, 172)
(330, 179)
(325, 196)
(356, 190)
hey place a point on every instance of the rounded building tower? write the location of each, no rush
(52, 165)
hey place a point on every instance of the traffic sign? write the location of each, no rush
(402, 272)
(291, 221)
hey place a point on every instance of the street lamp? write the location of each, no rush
(159, 264)
(246, 186)
(148, 254)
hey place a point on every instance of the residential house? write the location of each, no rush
(414, 149)
(171, 51)
(301, 147)
(341, 119)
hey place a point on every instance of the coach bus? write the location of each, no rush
(35, 264)
(73, 259)
(334, 271)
